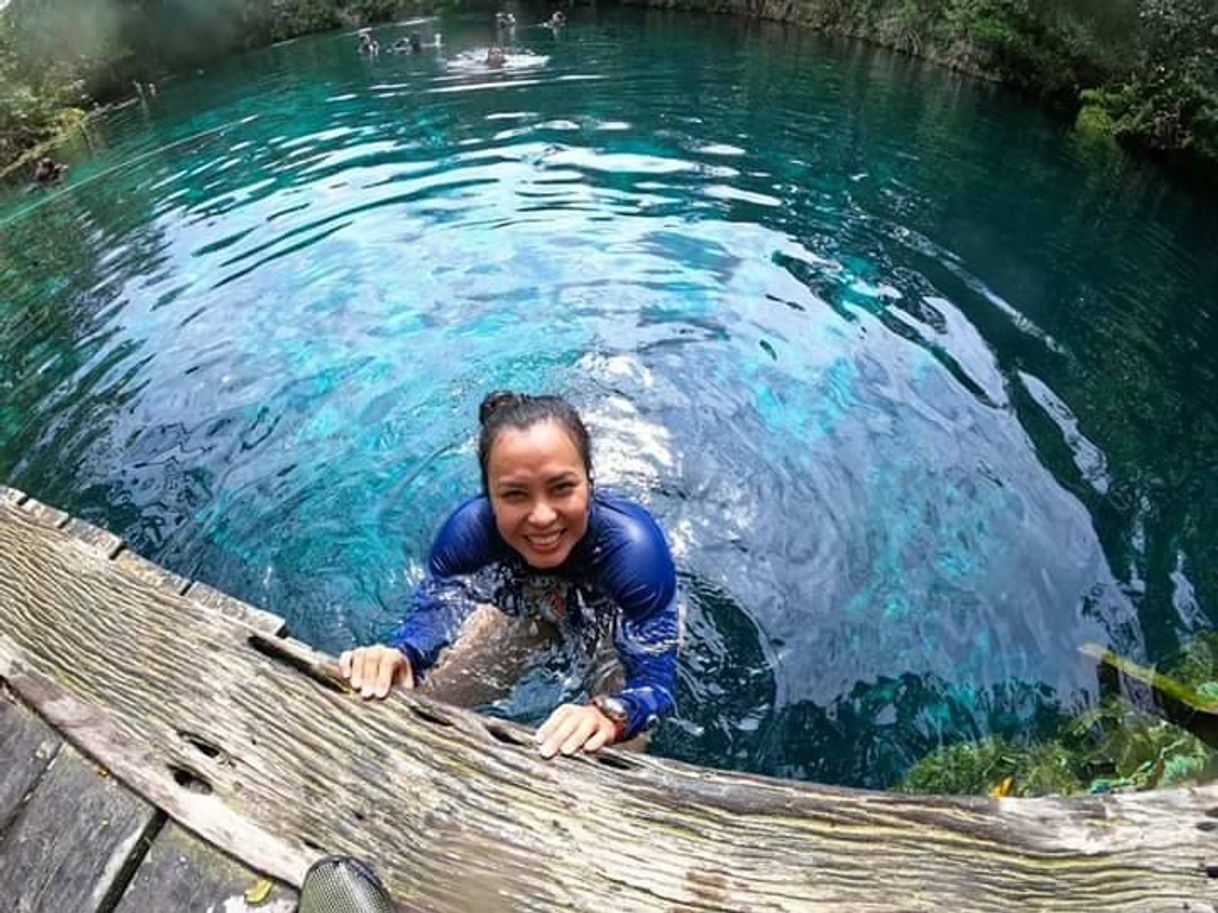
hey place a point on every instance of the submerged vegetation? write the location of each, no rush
(1115, 745)
(1145, 71)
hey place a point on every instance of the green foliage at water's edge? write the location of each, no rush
(1145, 71)
(60, 57)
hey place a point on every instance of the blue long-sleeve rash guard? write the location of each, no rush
(622, 562)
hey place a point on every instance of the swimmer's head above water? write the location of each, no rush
(495, 57)
(535, 457)
(536, 462)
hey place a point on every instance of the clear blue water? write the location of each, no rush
(919, 381)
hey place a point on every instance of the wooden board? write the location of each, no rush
(181, 874)
(27, 746)
(103, 540)
(259, 619)
(73, 843)
(51, 516)
(150, 572)
(250, 744)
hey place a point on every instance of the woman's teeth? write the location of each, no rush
(544, 542)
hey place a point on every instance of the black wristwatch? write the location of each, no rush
(615, 709)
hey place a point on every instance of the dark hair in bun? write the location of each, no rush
(505, 409)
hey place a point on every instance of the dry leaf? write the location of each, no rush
(259, 891)
(1002, 788)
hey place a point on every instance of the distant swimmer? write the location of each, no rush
(557, 19)
(495, 57)
(367, 44)
(47, 170)
(505, 20)
(411, 45)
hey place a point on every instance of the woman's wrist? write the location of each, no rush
(615, 711)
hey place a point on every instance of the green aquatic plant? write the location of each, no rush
(1113, 745)
(965, 768)
(1196, 665)
(1124, 746)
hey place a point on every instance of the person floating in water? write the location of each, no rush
(495, 56)
(542, 543)
(410, 45)
(47, 170)
(367, 44)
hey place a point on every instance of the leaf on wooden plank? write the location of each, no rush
(259, 891)
(1002, 788)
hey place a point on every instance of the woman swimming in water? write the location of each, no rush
(541, 541)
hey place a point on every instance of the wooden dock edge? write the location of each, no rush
(243, 737)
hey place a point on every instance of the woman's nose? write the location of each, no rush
(543, 514)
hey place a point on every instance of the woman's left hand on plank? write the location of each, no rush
(572, 727)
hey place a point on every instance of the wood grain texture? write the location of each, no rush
(458, 813)
(27, 746)
(260, 619)
(71, 846)
(102, 540)
(151, 573)
(11, 496)
(50, 516)
(181, 874)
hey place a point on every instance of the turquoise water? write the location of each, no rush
(919, 381)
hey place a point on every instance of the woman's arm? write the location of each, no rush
(646, 642)
(439, 605)
(636, 568)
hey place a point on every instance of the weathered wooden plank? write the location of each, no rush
(182, 874)
(27, 746)
(459, 813)
(43, 513)
(103, 540)
(177, 777)
(150, 572)
(74, 842)
(11, 496)
(259, 619)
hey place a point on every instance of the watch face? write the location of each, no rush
(612, 708)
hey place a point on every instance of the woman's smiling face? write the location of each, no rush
(539, 492)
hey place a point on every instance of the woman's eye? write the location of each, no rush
(513, 496)
(564, 488)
